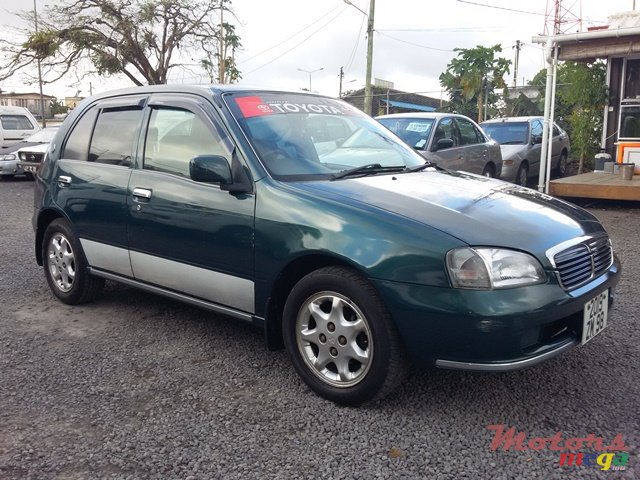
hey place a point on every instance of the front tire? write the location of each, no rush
(65, 266)
(341, 339)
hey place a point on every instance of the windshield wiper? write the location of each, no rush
(418, 168)
(370, 168)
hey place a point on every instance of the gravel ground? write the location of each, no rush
(135, 386)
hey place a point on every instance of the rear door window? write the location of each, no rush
(113, 140)
(468, 133)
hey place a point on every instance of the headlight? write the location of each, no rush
(489, 268)
(8, 156)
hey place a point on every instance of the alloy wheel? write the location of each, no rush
(334, 339)
(62, 262)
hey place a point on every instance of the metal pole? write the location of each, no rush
(341, 77)
(368, 99)
(551, 119)
(35, 19)
(547, 113)
(310, 72)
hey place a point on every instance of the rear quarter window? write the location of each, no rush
(77, 146)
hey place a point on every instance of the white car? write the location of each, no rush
(30, 158)
(16, 123)
(10, 164)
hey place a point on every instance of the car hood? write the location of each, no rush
(15, 146)
(512, 151)
(476, 210)
(35, 148)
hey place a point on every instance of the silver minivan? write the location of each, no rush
(16, 123)
(452, 141)
(520, 140)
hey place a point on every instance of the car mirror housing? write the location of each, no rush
(537, 139)
(444, 143)
(210, 168)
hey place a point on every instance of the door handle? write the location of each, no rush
(141, 194)
(64, 181)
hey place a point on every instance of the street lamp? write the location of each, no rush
(310, 72)
(368, 97)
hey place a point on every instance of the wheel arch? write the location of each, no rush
(45, 217)
(291, 274)
(492, 166)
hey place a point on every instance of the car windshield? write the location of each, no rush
(301, 137)
(508, 133)
(43, 136)
(414, 131)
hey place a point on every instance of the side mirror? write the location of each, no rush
(210, 168)
(537, 139)
(444, 143)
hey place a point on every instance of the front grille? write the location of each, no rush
(31, 157)
(580, 263)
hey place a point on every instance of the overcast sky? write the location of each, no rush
(413, 43)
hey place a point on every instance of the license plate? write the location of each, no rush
(595, 316)
(31, 168)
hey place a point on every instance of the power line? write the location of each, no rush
(411, 43)
(299, 43)
(355, 47)
(438, 30)
(501, 8)
(290, 37)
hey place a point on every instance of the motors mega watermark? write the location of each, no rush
(613, 456)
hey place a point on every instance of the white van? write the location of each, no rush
(16, 123)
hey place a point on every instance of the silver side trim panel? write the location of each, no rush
(220, 288)
(107, 257)
(507, 366)
(174, 295)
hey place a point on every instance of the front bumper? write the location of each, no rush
(10, 167)
(496, 330)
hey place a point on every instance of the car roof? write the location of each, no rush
(198, 89)
(513, 119)
(432, 115)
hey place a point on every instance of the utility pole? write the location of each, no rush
(221, 41)
(368, 100)
(341, 75)
(35, 19)
(516, 62)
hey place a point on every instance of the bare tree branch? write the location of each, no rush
(136, 38)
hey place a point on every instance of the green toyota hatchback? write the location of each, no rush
(301, 215)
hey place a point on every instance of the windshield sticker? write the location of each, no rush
(255, 106)
(418, 127)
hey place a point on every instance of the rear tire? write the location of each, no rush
(561, 168)
(341, 339)
(522, 177)
(65, 265)
(489, 171)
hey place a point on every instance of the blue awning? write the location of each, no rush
(409, 106)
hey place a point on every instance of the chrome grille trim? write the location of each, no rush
(580, 260)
